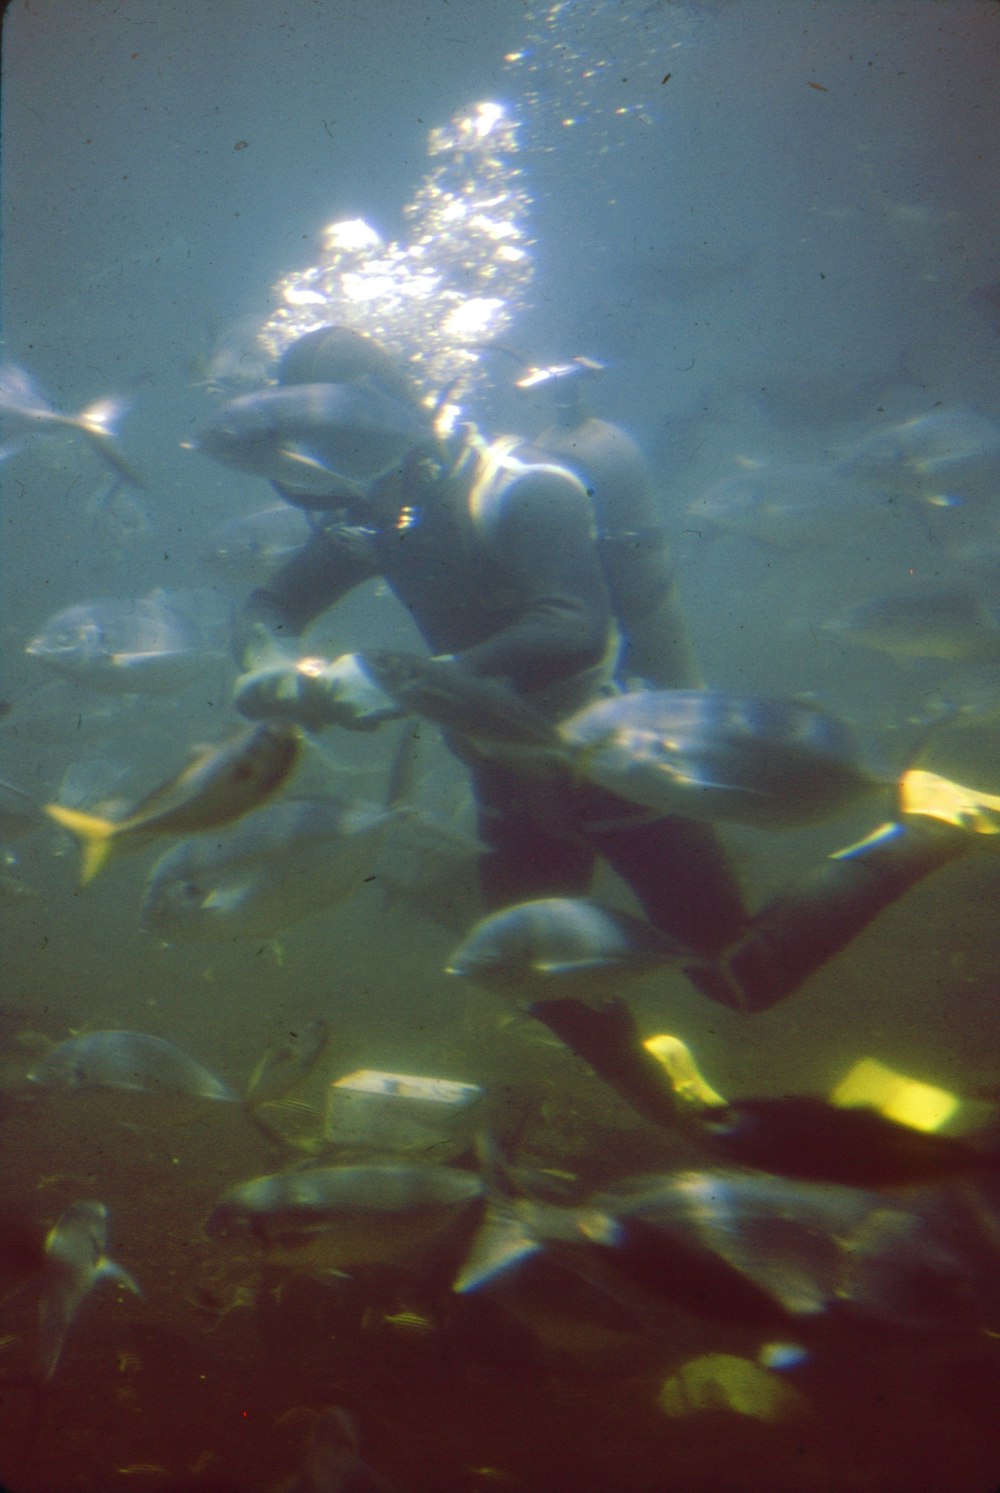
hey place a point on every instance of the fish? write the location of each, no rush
(250, 548)
(938, 457)
(790, 507)
(19, 813)
(320, 441)
(153, 644)
(258, 878)
(710, 755)
(116, 513)
(286, 1062)
(219, 785)
(347, 1217)
(23, 404)
(458, 700)
(565, 939)
(948, 625)
(135, 1062)
(75, 1261)
(703, 754)
(815, 1252)
(330, 1460)
(763, 1254)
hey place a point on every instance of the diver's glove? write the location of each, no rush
(313, 693)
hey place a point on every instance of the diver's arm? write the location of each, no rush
(560, 620)
(314, 579)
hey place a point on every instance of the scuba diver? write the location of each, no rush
(533, 564)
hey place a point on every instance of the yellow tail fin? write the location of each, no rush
(94, 833)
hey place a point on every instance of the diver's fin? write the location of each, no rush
(929, 794)
(94, 833)
(608, 1039)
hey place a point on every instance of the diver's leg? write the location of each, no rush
(680, 872)
(525, 858)
(807, 925)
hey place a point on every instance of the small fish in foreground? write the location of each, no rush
(221, 784)
(22, 403)
(75, 1261)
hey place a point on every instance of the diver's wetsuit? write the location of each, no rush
(528, 601)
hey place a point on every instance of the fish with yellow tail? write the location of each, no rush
(219, 785)
(75, 1261)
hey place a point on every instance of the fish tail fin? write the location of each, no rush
(19, 394)
(101, 417)
(97, 422)
(109, 1270)
(94, 833)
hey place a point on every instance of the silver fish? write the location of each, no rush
(559, 938)
(287, 1061)
(938, 457)
(787, 508)
(265, 875)
(249, 549)
(150, 645)
(318, 440)
(132, 1061)
(949, 625)
(75, 1261)
(715, 756)
(704, 754)
(344, 1217)
(23, 404)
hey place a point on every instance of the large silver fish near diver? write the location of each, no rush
(704, 754)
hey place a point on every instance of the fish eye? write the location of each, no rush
(193, 893)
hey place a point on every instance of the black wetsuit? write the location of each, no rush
(525, 599)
